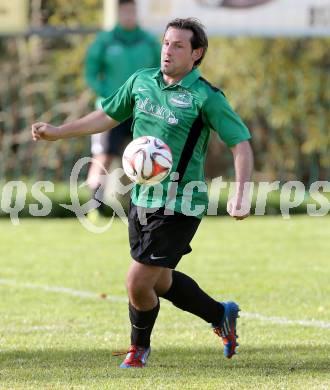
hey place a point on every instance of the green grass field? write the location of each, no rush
(56, 338)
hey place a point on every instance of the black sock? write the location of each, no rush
(142, 324)
(185, 294)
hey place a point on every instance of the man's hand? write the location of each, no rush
(44, 131)
(238, 208)
(95, 122)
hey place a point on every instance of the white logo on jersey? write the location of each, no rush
(114, 50)
(181, 99)
(161, 112)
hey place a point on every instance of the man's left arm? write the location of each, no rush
(239, 205)
(220, 117)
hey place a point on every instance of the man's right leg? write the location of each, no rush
(143, 310)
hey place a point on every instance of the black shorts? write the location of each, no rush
(158, 239)
(118, 137)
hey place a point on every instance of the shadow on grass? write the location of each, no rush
(79, 365)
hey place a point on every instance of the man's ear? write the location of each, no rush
(197, 54)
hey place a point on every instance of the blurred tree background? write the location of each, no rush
(280, 87)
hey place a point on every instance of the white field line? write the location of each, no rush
(61, 290)
(32, 329)
(286, 321)
(113, 298)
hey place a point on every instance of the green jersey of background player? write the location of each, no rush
(110, 60)
(116, 54)
(158, 246)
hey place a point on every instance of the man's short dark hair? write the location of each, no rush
(199, 37)
(121, 2)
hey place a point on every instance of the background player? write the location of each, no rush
(111, 59)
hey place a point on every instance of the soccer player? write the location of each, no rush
(111, 59)
(176, 104)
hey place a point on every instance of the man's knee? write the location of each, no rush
(135, 285)
(136, 282)
(142, 278)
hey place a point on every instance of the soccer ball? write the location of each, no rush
(147, 160)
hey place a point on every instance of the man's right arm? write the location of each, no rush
(95, 122)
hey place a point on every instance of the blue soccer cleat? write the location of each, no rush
(136, 357)
(227, 329)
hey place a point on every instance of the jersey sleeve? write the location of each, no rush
(220, 117)
(120, 104)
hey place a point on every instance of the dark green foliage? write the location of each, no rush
(281, 87)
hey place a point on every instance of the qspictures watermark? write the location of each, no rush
(292, 194)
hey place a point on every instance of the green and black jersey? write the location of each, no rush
(182, 115)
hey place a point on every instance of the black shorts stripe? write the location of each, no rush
(188, 149)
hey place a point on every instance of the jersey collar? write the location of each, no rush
(186, 82)
(127, 36)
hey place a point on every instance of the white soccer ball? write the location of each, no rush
(147, 160)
